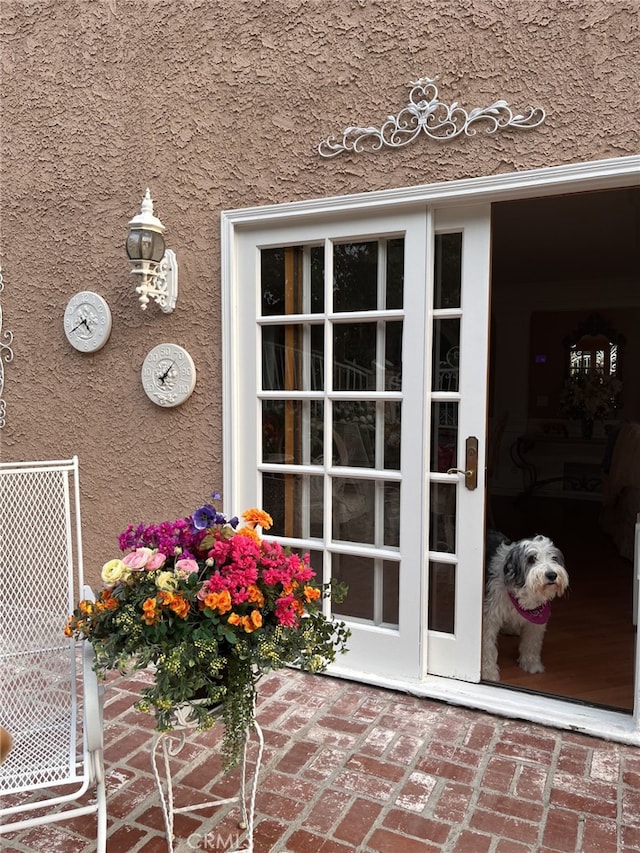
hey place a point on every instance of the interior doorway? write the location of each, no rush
(557, 263)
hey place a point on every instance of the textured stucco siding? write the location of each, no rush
(218, 105)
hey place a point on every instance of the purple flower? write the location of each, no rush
(204, 517)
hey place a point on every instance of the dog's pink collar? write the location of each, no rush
(539, 615)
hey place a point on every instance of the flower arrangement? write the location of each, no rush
(212, 606)
(590, 396)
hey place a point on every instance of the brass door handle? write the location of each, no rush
(471, 471)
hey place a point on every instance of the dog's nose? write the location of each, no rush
(551, 576)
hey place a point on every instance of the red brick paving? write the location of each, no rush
(354, 768)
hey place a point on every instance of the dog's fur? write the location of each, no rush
(533, 572)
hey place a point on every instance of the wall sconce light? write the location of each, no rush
(157, 266)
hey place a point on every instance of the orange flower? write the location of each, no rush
(234, 619)
(86, 607)
(180, 607)
(248, 531)
(256, 619)
(255, 596)
(150, 615)
(220, 601)
(311, 593)
(107, 601)
(259, 517)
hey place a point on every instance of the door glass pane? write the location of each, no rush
(446, 354)
(442, 597)
(354, 356)
(444, 437)
(442, 517)
(392, 515)
(395, 273)
(393, 357)
(373, 588)
(292, 431)
(281, 280)
(391, 592)
(448, 270)
(354, 428)
(317, 281)
(355, 276)
(353, 502)
(295, 503)
(392, 423)
(292, 357)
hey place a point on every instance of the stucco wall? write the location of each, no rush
(217, 105)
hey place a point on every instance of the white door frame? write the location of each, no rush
(578, 177)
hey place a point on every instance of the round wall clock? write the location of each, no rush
(87, 321)
(168, 375)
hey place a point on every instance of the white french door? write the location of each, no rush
(329, 416)
(360, 366)
(456, 437)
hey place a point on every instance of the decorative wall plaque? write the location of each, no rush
(6, 354)
(425, 113)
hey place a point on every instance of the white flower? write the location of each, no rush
(114, 571)
(166, 581)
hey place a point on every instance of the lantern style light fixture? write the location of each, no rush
(157, 266)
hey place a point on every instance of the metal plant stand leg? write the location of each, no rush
(165, 742)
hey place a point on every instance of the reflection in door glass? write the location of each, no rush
(392, 515)
(442, 597)
(355, 276)
(354, 356)
(295, 503)
(353, 517)
(292, 431)
(282, 288)
(293, 357)
(442, 517)
(354, 431)
(363, 575)
(448, 270)
(446, 354)
(444, 437)
(395, 273)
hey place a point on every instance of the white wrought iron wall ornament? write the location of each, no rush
(6, 354)
(425, 113)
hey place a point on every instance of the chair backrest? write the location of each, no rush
(50, 701)
(40, 578)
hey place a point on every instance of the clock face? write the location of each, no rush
(87, 321)
(168, 375)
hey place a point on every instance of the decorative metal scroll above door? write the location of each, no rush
(425, 113)
(6, 354)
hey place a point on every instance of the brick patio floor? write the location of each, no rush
(354, 768)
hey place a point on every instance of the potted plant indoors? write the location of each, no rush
(209, 605)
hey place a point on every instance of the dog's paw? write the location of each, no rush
(490, 673)
(531, 665)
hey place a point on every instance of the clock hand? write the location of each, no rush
(81, 323)
(166, 373)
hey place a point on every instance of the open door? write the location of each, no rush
(458, 389)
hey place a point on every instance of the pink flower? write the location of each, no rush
(186, 566)
(137, 559)
(155, 561)
(285, 612)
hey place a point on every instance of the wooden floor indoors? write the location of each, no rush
(588, 649)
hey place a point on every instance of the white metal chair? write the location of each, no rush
(50, 701)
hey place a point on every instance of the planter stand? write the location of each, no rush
(165, 742)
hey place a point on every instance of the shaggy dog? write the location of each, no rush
(522, 579)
